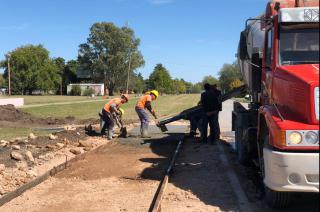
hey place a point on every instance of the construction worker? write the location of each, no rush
(216, 126)
(144, 104)
(210, 105)
(109, 113)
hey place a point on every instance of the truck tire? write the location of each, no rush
(242, 151)
(275, 199)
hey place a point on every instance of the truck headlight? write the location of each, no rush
(312, 137)
(295, 138)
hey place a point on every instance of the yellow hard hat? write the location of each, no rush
(125, 96)
(148, 92)
(121, 111)
(155, 93)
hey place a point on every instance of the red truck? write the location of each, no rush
(278, 55)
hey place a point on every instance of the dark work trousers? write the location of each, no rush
(144, 120)
(217, 127)
(108, 123)
(213, 122)
(195, 123)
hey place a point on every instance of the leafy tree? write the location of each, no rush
(2, 81)
(32, 69)
(69, 74)
(60, 63)
(108, 54)
(137, 84)
(210, 79)
(160, 79)
(228, 74)
(179, 86)
(197, 88)
(75, 90)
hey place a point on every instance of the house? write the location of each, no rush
(98, 89)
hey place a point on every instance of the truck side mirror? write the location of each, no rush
(243, 53)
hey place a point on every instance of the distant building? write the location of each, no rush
(97, 88)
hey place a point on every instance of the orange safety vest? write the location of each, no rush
(143, 100)
(116, 101)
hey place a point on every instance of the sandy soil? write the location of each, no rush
(122, 176)
(199, 182)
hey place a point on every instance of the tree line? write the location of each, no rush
(110, 55)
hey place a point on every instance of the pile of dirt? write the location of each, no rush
(11, 114)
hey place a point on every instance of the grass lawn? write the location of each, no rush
(9, 133)
(164, 105)
(31, 100)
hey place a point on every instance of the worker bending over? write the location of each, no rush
(144, 104)
(109, 113)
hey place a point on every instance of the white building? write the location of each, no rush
(98, 88)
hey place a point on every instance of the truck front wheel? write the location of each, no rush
(275, 199)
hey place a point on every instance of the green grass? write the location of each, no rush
(9, 133)
(31, 100)
(164, 105)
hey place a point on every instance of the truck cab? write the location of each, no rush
(281, 128)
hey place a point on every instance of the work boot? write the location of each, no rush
(145, 134)
(110, 134)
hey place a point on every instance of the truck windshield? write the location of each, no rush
(298, 45)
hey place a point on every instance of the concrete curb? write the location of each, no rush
(234, 181)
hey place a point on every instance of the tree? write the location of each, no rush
(179, 86)
(160, 80)
(60, 63)
(108, 54)
(32, 69)
(211, 80)
(228, 74)
(137, 84)
(2, 81)
(197, 88)
(69, 74)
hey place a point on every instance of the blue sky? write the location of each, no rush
(192, 38)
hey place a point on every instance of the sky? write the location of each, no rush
(191, 38)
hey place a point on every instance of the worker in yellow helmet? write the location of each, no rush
(109, 112)
(144, 104)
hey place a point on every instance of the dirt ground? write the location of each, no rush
(122, 176)
(199, 182)
(13, 117)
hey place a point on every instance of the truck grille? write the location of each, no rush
(316, 102)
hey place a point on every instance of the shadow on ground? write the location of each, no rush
(198, 171)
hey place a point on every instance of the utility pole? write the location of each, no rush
(129, 65)
(9, 74)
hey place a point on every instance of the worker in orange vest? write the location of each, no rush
(109, 112)
(144, 104)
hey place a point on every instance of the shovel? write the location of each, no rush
(123, 132)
